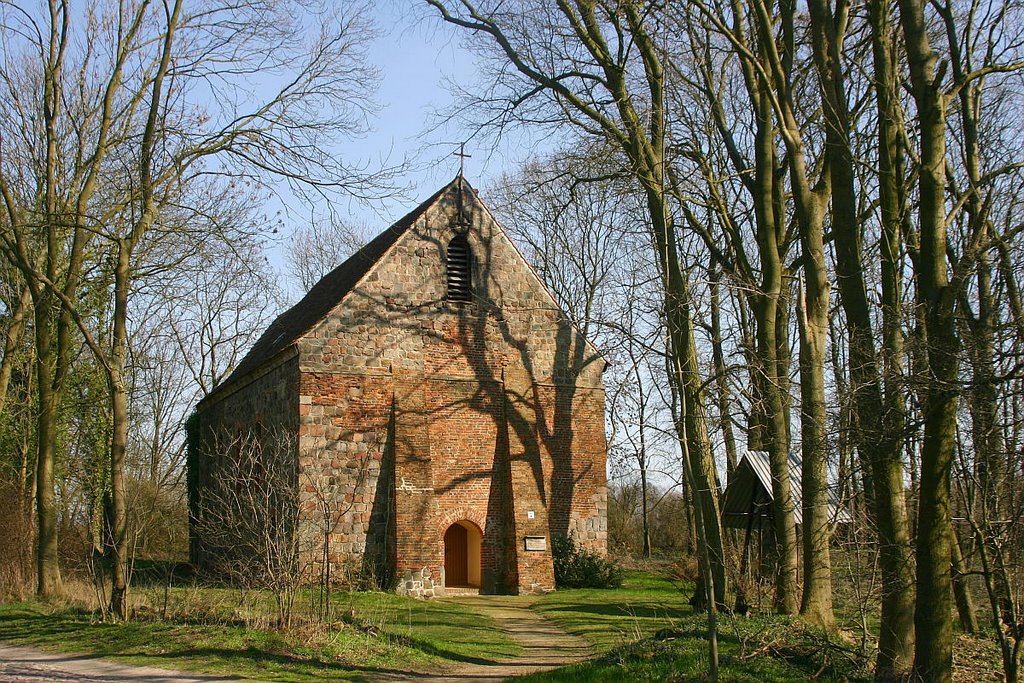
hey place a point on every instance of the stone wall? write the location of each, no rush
(421, 583)
(244, 439)
(346, 471)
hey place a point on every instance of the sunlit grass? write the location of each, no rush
(686, 658)
(646, 603)
(205, 630)
(643, 631)
(647, 631)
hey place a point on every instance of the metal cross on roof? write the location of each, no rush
(461, 154)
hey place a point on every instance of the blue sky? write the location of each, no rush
(416, 53)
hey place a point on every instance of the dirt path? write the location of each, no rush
(545, 645)
(26, 665)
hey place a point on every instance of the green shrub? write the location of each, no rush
(578, 567)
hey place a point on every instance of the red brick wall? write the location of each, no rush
(468, 451)
(415, 412)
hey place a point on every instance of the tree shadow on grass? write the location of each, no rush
(431, 649)
(282, 663)
(41, 630)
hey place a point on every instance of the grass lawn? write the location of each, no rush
(682, 655)
(448, 630)
(646, 603)
(643, 631)
(382, 632)
(646, 631)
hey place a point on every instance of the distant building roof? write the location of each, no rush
(750, 492)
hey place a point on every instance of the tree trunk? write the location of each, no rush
(705, 558)
(816, 601)
(692, 425)
(771, 382)
(47, 314)
(646, 517)
(896, 629)
(807, 208)
(721, 375)
(647, 152)
(990, 499)
(119, 438)
(48, 580)
(641, 456)
(879, 425)
(115, 364)
(15, 327)
(961, 591)
(846, 485)
(933, 654)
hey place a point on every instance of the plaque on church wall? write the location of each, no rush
(536, 543)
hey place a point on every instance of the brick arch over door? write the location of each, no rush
(482, 557)
(469, 514)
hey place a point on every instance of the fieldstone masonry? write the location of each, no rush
(413, 412)
(420, 583)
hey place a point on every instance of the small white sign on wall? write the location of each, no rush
(530, 514)
(536, 543)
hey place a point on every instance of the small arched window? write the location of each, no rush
(460, 270)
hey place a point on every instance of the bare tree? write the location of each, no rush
(142, 136)
(938, 289)
(248, 515)
(578, 227)
(318, 248)
(579, 80)
(704, 99)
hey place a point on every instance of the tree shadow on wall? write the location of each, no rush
(529, 401)
(381, 552)
(537, 410)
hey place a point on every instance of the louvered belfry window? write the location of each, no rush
(460, 270)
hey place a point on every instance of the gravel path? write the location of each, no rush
(545, 646)
(25, 665)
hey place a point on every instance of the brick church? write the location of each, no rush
(437, 419)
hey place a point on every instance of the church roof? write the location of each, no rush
(288, 327)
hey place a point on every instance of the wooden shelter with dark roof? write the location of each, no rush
(748, 504)
(424, 417)
(748, 497)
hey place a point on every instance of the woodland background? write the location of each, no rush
(790, 226)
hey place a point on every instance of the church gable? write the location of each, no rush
(325, 295)
(431, 297)
(450, 419)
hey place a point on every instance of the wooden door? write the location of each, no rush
(456, 556)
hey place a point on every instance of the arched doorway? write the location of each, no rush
(462, 554)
